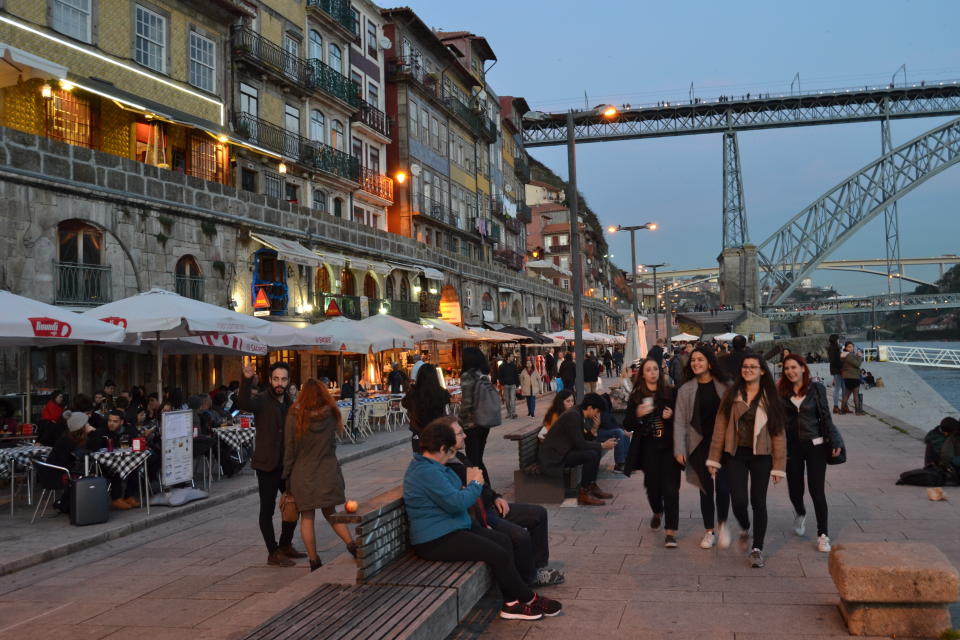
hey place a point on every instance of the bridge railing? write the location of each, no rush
(880, 304)
(919, 356)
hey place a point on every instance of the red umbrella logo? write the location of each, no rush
(50, 328)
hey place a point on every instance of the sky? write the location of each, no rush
(639, 52)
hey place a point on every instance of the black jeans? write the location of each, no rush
(715, 491)
(526, 525)
(484, 545)
(475, 444)
(742, 468)
(590, 459)
(270, 483)
(814, 458)
(661, 479)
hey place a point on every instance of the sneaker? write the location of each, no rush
(800, 524)
(549, 607)
(655, 521)
(618, 467)
(836, 410)
(756, 559)
(547, 577)
(521, 611)
(723, 536)
(670, 542)
(709, 539)
(823, 543)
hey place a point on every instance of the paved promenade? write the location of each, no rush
(203, 575)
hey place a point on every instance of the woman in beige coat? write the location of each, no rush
(311, 470)
(531, 386)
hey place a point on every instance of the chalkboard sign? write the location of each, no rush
(176, 436)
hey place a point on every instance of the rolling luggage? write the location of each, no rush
(89, 501)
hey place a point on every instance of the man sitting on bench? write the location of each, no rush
(565, 446)
(525, 524)
(440, 529)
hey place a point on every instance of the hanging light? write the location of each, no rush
(222, 138)
(66, 85)
(46, 91)
(282, 168)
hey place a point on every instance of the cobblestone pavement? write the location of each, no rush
(204, 576)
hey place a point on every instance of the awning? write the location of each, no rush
(505, 290)
(488, 316)
(16, 64)
(545, 267)
(143, 105)
(428, 272)
(332, 259)
(379, 268)
(288, 250)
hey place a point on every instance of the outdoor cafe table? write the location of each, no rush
(22, 455)
(121, 463)
(236, 438)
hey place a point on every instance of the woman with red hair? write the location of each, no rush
(311, 471)
(812, 439)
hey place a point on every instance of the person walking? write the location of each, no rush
(618, 360)
(608, 362)
(311, 471)
(836, 364)
(696, 412)
(591, 373)
(650, 416)
(850, 371)
(812, 439)
(531, 386)
(568, 371)
(509, 380)
(475, 368)
(425, 402)
(397, 379)
(269, 411)
(749, 441)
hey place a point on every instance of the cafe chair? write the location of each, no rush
(52, 479)
(396, 414)
(377, 415)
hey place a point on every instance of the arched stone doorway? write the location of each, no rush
(370, 286)
(450, 309)
(348, 282)
(516, 314)
(586, 322)
(323, 279)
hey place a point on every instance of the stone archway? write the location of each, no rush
(516, 314)
(450, 309)
(348, 282)
(94, 268)
(586, 321)
(370, 285)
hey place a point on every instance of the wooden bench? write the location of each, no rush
(540, 488)
(894, 589)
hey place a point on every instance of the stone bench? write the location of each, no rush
(533, 488)
(893, 589)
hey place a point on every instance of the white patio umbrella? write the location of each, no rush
(407, 333)
(726, 337)
(684, 337)
(162, 315)
(25, 322)
(344, 334)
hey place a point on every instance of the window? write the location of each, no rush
(373, 162)
(272, 184)
(207, 158)
(357, 149)
(338, 207)
(315, 45)
(80, 243)
(72, 18)
(356, 24)
(291, 47)
(203, 64)
(248, 99)
(70, 119)
(151, 39)
(188, 279)
(336, 58)
(336, 135)
(317, 126)
(404, 289)
(323, 280)
(373, 94)
(435, 134)
(291, 192)
(348, 284)
(319, 199)
(389, 288)
(248, 180)
(371, 40)
(291, 122)
(414, 120)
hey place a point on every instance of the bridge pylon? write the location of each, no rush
(740, 278)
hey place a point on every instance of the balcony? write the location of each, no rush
(513, 225)
(189, 286)
(509, 258)
(308, 153)
(336, 11)
(429, 304)
(558, 248)
(376, 184)
(349, 306)
(83, 284)
(271, 57)
(467, 115)
(495, 233)
(372, 117)
(496, 206)
(438, 211)
(488, 129)
(524, 214)
(404, 309)
(522, 169)
(332, 82)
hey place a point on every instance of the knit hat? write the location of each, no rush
(77, 420)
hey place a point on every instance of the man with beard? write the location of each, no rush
(270, 416)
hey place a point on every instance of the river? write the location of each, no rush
(945, 381)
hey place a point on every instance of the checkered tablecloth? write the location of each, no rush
(120, 462)
(236, 437)
(22, 455)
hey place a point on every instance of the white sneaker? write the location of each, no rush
(800, 525)
(723, 538)
(823, 543)
(709, 539)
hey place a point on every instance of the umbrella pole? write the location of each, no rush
(160, 368)
(28, 398)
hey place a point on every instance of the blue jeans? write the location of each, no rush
(619, 451)
(531, 405)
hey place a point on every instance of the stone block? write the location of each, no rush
(135, 184)
(107, 160)
(21, 138)
(55, 166)
(195, 183)
(82, 154)
(55, 147)
(116, 180)
(84, 172)
(895, 620)
(912, 572)
(172, 192)
(155, 188)
(25, 159)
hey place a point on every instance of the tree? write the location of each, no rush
(948, 283)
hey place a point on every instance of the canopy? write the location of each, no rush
(567, 335)
(527, 335)
(447, 330)
(359, 336)
(726, 337)
(288, 250)
(16, 65)
(25, 322)
(684, 337)
(405, 331)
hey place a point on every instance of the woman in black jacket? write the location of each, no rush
(811, 439)
(425, 402)
(650, 416)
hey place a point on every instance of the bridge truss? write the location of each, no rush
(888, 303)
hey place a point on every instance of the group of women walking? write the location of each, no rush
(733, 437)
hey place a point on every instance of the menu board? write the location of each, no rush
(176, 437)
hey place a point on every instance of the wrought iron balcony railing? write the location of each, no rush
(558, 248)
(83, 284)
(524, 214)
(376, 183)
(488, 129)
(462, 111)
(522, 169)
(404, 309)
(306, 152)
(438, 211)
(251, 46)
(339, 10)
(189, 286)
(374, 118)
(510, 258)
(349, 306)
(429, 304)
(327, 79)
(513, 225)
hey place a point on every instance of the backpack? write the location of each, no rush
(486, 403)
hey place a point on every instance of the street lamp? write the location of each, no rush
(650, 226)
(605, 111)
(656, 299)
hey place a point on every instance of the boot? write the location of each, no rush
(596, 492)
(290, 552)
(315, 564)
(277, 559)
(585, 498)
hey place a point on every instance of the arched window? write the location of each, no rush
(188, 279)
(337, 139)
(348, 284)
(404, 289)
(80, 243)
(80, 278)
(390, 292)
(487, 302)
(468, 298)
(323, 280)
(338, 207)
(318, 126)
(336, 58)
(370, 286)
(319, 199)
(315, 46)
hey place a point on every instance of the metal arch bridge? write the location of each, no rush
(888, 303)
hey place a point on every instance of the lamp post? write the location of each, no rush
(656, 299)
(651, 226)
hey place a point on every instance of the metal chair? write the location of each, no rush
(396, 414)
(50, 482)
(377, 411)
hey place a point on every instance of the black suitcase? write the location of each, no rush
(89, 501)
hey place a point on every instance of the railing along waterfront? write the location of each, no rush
(918, 356)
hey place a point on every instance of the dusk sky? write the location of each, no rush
(619, 51)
